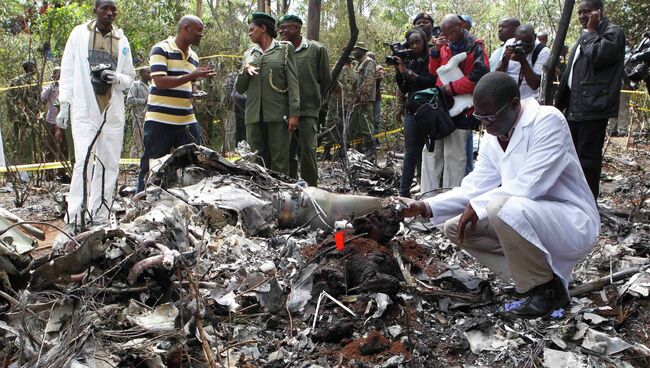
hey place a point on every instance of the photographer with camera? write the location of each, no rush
(411, 63)
(96, 69)
(523, 59)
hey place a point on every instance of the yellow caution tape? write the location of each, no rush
(634, 92)
(383, 134)
(222, 56)
(136, 161)
(57, 165)
(5, 89)
(639, 108)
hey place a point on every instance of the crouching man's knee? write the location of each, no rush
(495, 205)
(451, 227)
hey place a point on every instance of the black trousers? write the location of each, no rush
(159, 139)
(588, 138)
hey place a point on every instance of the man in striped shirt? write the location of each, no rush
(169, 121)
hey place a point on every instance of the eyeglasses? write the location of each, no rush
(489, 119)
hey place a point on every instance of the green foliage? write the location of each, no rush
(146, 22)
(57, 23)
(632, 16)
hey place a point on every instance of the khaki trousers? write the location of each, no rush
(501, 249)
(446, 164)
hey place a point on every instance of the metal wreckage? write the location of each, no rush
(226, 264)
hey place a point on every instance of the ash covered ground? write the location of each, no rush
(225, 265)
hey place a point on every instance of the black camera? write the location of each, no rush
(399, 50)
(98, 80)
(637, 67)
(517, 47)
(436, 31)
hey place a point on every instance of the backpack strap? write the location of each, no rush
(536, 51)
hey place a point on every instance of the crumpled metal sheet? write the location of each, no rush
(563, 359)
(272, 300)
(254, 212)
(383, 301)
(14, 241)
(228, 301)
(638, 285)
(462, 277)
(301, 288)
(602, 343)
(160, 320)
(488, 340)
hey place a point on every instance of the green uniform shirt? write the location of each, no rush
(367, 82)
(274, 92)
(313, 75)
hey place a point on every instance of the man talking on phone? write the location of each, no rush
(170, 121)
(590, 86)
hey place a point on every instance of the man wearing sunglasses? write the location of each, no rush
(530, 212)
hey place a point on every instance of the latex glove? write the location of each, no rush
(109, 76)
(63, 118)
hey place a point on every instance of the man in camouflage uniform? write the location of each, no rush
(22, 112)
(340, 106)
(362, 122)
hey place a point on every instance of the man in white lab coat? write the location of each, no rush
(96, 68)
(532, 216)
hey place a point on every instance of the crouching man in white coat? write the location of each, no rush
(532, 216)
(95, 70)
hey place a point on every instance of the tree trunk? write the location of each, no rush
(199, 8)
(231, 26)
(558, 45)
(261, 5)
(354, 34)
(313, 20)
(285, 6)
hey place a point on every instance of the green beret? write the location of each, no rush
(262, 16)
(360, 45)
(289, 18)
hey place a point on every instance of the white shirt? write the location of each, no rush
(575, 57)
(514, 69)
(496, 56)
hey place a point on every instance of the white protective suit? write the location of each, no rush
(550, 203)
(86, 119)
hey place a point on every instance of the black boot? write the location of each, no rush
(542, 300)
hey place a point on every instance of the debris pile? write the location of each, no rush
(226, 264)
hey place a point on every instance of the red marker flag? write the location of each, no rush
(339, 240)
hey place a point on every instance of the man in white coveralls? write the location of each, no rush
(531, 213)
(95, 70)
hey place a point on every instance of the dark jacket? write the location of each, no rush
(417, 76)
(597, 73)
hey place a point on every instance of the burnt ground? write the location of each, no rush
(439, 320)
